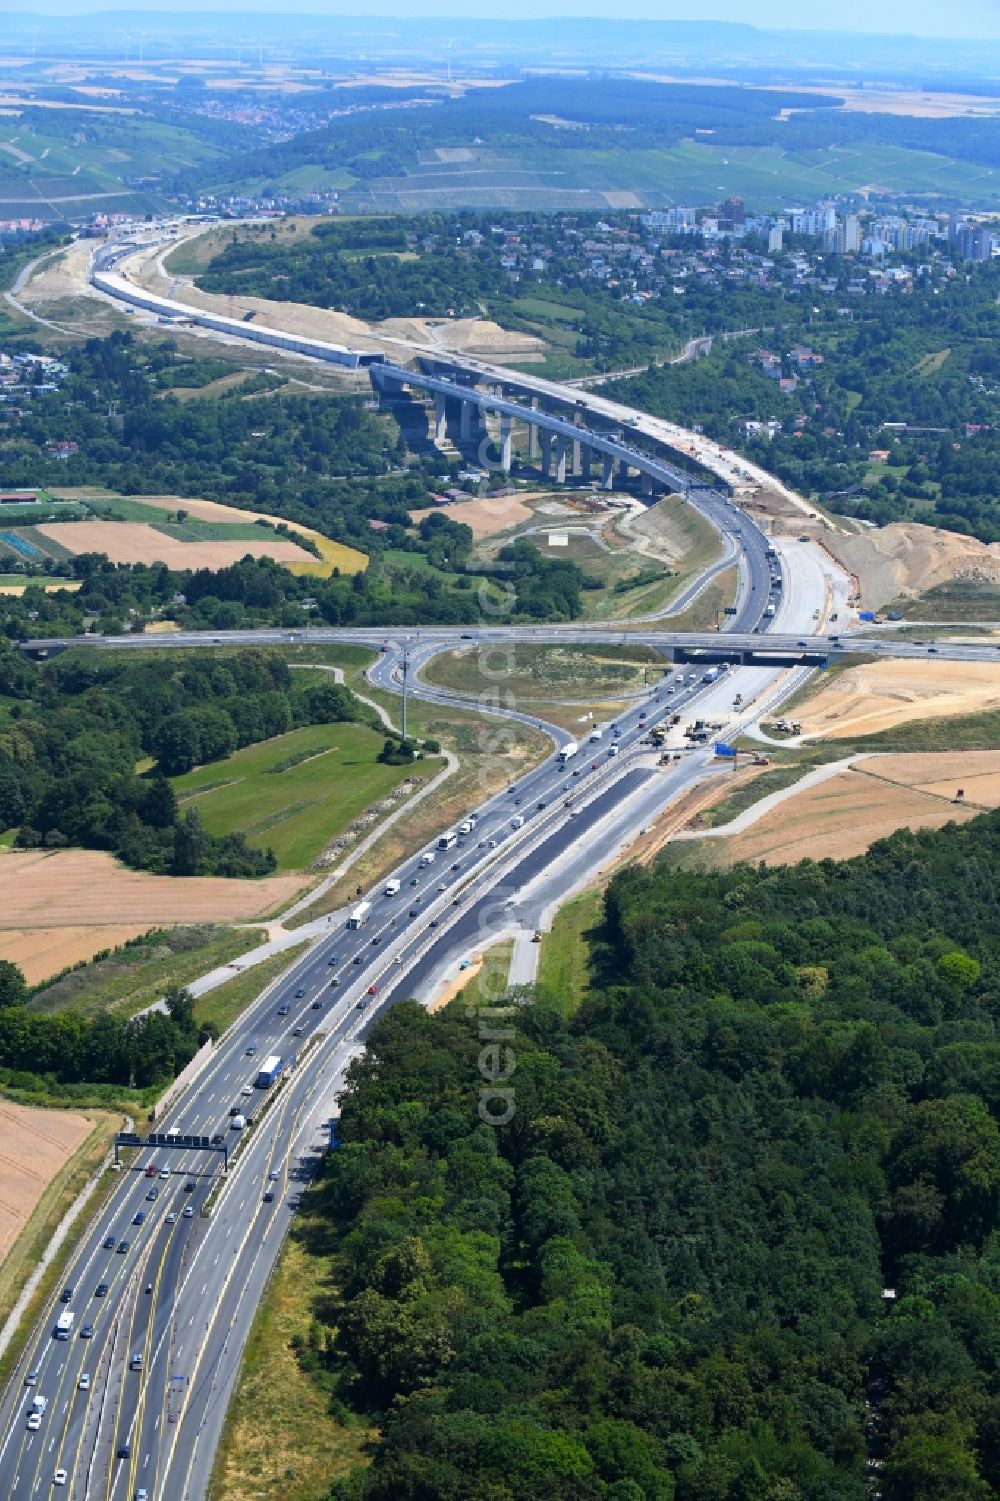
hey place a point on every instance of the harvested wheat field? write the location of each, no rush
(135, 542)
(43, 952)
(845, 814)
(880, 695)
(35, 1145)
(334, 554)
(485, 516)
(89, 888)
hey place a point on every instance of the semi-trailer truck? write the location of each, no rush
(568, 751)
(448, 841)
(359, 916)
(268, 1072)
(597, 734)
(712, 675)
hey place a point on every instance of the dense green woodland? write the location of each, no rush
(663, 1277)
(73, 732)
(67, 1055)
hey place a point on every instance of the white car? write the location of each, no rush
(34, 1421)
(59, 1478)
(83, 1385)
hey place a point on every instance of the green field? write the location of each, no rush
(299, 810)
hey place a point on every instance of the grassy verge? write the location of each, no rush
(280, 1442)
(534, 673)
(565, 969)
(222, 1006)
(490, 982)
(706, 611)
(134, 977)
(960, 599)
(25, 1253)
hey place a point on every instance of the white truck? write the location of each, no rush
(392, 887)
(427, 859)
(448, 841)
(359, 915)
(712, 675)
(567, 752)
(597, 734)
(64, 1324)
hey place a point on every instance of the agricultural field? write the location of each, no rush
(36, 1144)
(183, 546)
(297, 792)
(844, 814)
(40, 889)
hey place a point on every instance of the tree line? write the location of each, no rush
(73, 731)
(664, 1273)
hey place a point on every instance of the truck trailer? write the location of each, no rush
(359, 915)
(268, 1072)
(568, 751)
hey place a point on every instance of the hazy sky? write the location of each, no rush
(961, 18)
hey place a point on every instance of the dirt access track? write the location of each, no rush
(845, 814)
(34, 1145)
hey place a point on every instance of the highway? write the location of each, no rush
(182, 1283)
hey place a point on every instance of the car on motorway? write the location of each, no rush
(300, 992)
(269, 1196)
(283, 1010)
(122, 1247)
(59, 1478)
(124, 1450)
(542, 804)
(415, 881)
(83, 1385)
(101, 1290)
(457, 865)
(373, 990)
(317, 1005)
(164, 1172)
(247, 1090)
(358, 959)
(250, 1051)
(151, 1170)
(142, 1494)
(31, 1379)
(413, 912)
(190, 1186)
(376, 940)
(34, 1421)
(172, 1217)
(297, 1031)
(109, 1242)
(274, 1175)
(87, 1331)
(139, 1217)
(434, 922)
(188, 1212)
(151, 1196)
(66, 1295)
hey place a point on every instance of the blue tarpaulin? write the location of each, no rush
(725, 750)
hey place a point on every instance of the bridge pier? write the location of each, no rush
(586, 455)
(647, 483)
(467, 411)
(561, 447)
(546, 438)
(533, 445)
(506, 444)
(440, 418)
(608, 472)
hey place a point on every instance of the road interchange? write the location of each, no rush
(182, 1292)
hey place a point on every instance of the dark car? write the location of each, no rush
(283, 1010)
(542, 804)
(413, 912)
(301, 990)
(87, 1332)
(66, 1295)
(358, 959)
(457, 865)
(139, 1217)
(317, 1005)
(331, 961)
(101, 1290)
(122, 1247)
(376, 940)
(124, 1450)
(109, 1242)
(189, 1186)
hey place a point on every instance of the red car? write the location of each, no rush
(373, 990)
(595, 765)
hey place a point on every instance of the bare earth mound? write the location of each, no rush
(134, 542)
(880, 695)
(486, 516)
(844, 815)
(905, 559)
(89, 888)
(35, 1145)
(41, 955)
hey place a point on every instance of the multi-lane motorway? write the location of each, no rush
(162, 1304)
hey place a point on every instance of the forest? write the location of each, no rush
(727, 1233)
(73, 731)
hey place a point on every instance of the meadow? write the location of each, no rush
(329, 777)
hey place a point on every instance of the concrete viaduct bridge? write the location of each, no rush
(563, 443)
